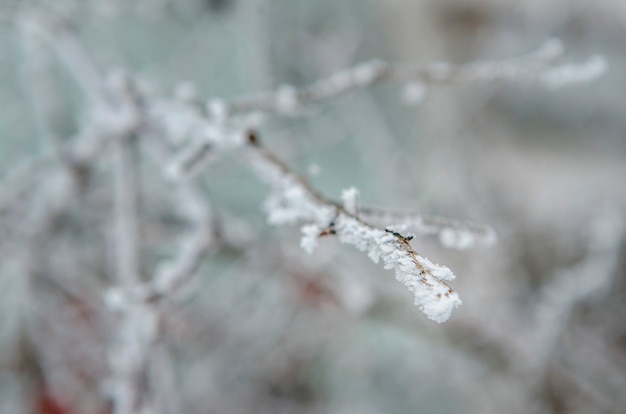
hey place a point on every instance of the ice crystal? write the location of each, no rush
(310, 233)
(350, 198)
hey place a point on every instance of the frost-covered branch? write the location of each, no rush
(594, 273)
(293, 201)
(454, 234)
(116, 116)
(136, 332)
(544, 65)
(172, 275)
(137, 305)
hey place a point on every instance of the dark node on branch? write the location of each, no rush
(81, 172)
(395, 233)
(327, 232)
(253, 138)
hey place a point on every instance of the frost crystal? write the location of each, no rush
(451, 233)
(414, 93)
(350, 198)
(575, 73)
(287, 99)
(178, 121)
(422, 277)
(455, 239)
(366, 72)
(292, 205)
(185, 92)
(218, 110)
(310, 233)
(551, 49)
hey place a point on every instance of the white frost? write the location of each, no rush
(350, 198)
(185, 92)
(422, 277)
(367, 72)
(310, 233)
(293, 205)
(575, 73)
(413, 93)
(455, 239)
(217, 110)
(287, 99)
(551, 49)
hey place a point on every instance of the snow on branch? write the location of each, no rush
(293, 200)
(453, 234)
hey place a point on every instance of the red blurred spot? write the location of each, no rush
(48, 404)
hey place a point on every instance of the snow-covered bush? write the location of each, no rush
(107, 226)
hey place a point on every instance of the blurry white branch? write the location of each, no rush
(54, 29)
(203, 126)
(592, 275)
(115, 114)
(545, 65)
(137, 305)
(171, 276)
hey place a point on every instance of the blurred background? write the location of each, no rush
(266, 328)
